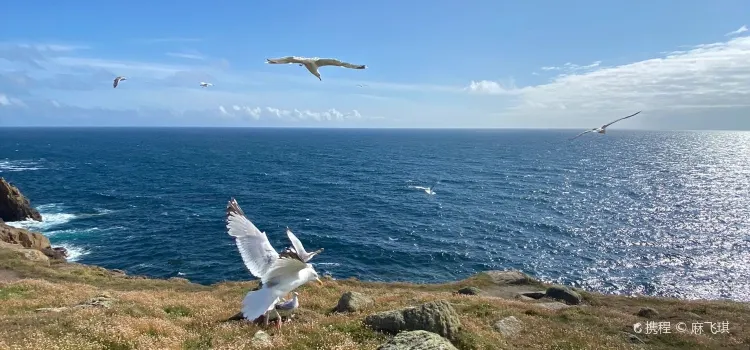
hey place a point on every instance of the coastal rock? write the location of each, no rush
(27, 239)
(436, 316)
(417, 340)
(534, 295)
(14, 206)
(29, 254)
(647, 312)
(469, 291)
(509, 326)
(353, 302)
(56, 253)
(565, 294)
(261, 338)
(510, 277)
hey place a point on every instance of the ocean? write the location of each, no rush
(647, 212)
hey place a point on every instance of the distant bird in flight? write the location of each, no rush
(428, 190)
(117, 81)
(361, 85)
(312, 64)
(603, 128)
(206, 84)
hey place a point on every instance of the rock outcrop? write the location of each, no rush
(437, 316)
(24, 239)
(14, 206)
(417, 340)
(353, 302)
(469, 291)
(565, 294)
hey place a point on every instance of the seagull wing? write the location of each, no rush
(117, 80)
(283, 271)
(255, 249)
(581, 134)
(606, 125)
(298, 248)
(334, 62)
(284, 60)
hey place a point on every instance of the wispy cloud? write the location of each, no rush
(707, 76)
(572, 67)
(492, 87)
(190, 56)
(168, 40)
(737, 32)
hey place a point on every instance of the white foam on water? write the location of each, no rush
(74, 253)
(19, 165)
(48, 220)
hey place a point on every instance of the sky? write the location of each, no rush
(436, 64)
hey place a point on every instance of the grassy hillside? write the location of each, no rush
(140, 313)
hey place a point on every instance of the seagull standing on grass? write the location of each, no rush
(117, 81)
(603, 128)
(206, 84)
(312, 64)
(278, 274)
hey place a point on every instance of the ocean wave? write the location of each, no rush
(74, 252)
(19, 165)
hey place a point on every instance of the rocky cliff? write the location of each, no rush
(14, 206)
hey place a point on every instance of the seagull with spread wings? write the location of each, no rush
(204, 84)
(279, 275)
(428, 190)
(312, 64)
(117, 81)
(603, 128)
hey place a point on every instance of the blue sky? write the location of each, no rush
(535, 64)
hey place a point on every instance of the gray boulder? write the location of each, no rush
(469, 291)
(647, 312)
(353, 302)
(509, 326)
(565, 294)
(417, 340)
(436, 316)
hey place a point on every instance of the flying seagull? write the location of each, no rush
(603, 128)
(206, 84)
(312, 64)
(361, 85)
(117, 81)
(428, 190)
(278, 274)
(297, 251)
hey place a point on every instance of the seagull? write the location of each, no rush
(603, 128)
(287, 307)
(206, 84)
(361, 85)
(297, 251)
(428, 190)
(279, 275)
(312, 64)
(117, 81)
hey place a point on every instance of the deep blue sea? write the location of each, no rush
(657, 213)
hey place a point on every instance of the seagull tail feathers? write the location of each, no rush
(256, 303)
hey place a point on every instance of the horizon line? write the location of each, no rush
(333, 128)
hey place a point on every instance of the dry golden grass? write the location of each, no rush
(162, 314)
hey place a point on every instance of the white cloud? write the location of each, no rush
(6, 101)
(190, 56)
(572, 67)
(294, 115)
(707, 76)
(491, 87)
(738, 31)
